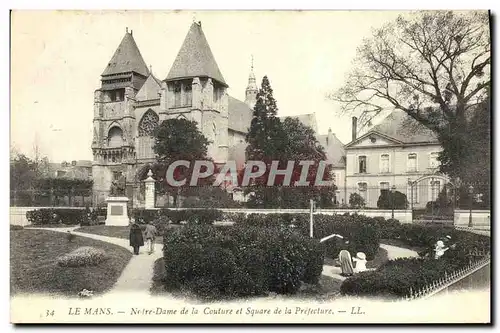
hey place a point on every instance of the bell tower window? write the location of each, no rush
(183, 93)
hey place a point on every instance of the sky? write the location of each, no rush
(57, 58)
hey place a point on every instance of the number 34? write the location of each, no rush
(49, 313)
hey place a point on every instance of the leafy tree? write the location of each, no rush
(433, 65)
(175, 140)
(22, 177)
(389, 200)
(356, 201)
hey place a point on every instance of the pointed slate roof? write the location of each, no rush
(127, 58)
(195, 59)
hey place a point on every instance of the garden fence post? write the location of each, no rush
(311, 221)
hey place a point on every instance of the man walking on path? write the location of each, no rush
(150, 235)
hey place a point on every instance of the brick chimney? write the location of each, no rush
(354, 127)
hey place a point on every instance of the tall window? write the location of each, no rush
(188, 94)
(217, 94)
(183, 94)
(433, 161)
(362, 189)
(384, 163)
(412, 162)
(362, 164)
(177, 94)
(148, 123)
(214, 130)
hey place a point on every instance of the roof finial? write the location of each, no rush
(252, 64)
(126, 29)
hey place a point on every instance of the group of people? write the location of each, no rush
(137, 237)
(348, 264)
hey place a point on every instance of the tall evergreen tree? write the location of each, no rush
(265, 141)
(270, 140)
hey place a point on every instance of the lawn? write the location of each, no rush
(34, 268)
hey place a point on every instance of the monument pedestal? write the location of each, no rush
(117, 211)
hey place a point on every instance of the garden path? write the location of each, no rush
(138, 274)
(393, 252)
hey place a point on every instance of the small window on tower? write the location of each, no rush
(177, 94)
(188, 94)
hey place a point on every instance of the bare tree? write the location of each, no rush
(433, 65)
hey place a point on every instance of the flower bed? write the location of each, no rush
(240, 261)
(82, 256)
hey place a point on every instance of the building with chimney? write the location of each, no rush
(132, 101)
(398, 152)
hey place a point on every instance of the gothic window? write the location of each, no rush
(148, 123)
(177, 94)
(188, 94)
(115, 137)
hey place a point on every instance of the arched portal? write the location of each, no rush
(115, 137)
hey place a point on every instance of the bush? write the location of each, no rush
(356, 201)
(240, 261)
(56, 216)
(389, 200)
(145, 215)
(16, 227)
(82, 256)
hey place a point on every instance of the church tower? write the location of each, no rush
(252, 89)
(114, 118)
(196, 90)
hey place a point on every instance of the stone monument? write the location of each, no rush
(150, 191)
(117, 204)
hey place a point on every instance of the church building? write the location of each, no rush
(131, 102)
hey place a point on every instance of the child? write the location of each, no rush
(360, 260)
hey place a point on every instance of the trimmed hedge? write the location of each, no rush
(361, 231)
(240, 261)
(66, 216)
(192, 216)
